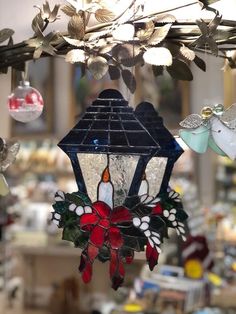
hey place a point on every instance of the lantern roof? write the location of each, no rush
(111, 126)
(150, 119)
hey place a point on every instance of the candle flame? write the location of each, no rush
(106, 175)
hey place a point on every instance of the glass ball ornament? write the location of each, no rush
(25, 103)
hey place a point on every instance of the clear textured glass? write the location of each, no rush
(155, 171)
(122, 169)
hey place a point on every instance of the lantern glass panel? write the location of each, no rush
(122, 169)
(155, 171)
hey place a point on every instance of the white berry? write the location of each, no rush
(72, 207)
(136, 222)
(79, 211)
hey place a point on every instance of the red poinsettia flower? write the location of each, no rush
(152, 256)
(102, 224)
(157, 209)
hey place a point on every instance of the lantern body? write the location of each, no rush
(122, 161)
(122, 169)
(25, 103)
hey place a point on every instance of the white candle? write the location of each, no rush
(144, 186)
(105, 189)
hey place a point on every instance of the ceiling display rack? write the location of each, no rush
(111, 38)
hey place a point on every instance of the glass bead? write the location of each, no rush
(206, 112)
(218, 109)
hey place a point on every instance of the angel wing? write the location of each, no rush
(12, 150)
(192, 121)
(229, 117)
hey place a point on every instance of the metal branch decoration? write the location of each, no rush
(104, 39)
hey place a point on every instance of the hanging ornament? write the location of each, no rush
(25, 103)
(215, 127)
(120, 207)
(8, 152)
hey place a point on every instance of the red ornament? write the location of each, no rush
(25, 103)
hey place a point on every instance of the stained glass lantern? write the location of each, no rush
(122, 161)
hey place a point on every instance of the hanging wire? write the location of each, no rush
(25, 73)
(133, 56)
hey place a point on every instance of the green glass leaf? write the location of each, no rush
(215, 148)
(73, 234)
(181, 215)
(135, 243)
(157, 223)
(104, 254)
(60, 207)
(197, 139)
(78, 198)
(69, 234)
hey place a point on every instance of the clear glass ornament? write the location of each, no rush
(25, 103)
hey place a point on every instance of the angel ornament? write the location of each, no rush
(215, 127)
(8, 152)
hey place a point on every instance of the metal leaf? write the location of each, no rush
(208, 2)
(76, 56)
(46, 8)
(192, 121)
(202, 26)
(179, 70)
(76, 27)
(68, 9)
(159, 35)
(165, 18)
(114, 72)
(104, 15)
(127, 54)
(74, 42)
(200, 63)
(107, 48)
(158, 56)
(157, 70)
(129, 80)
(34, 42)
(213, 46)
(37, 53)
(146, 32)
(97, 35)
(124, 32)
(98, 67)
(132, 61)
(5, 34)
(214, 24)
(37, 23)
(187, 53)
(54, 13)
